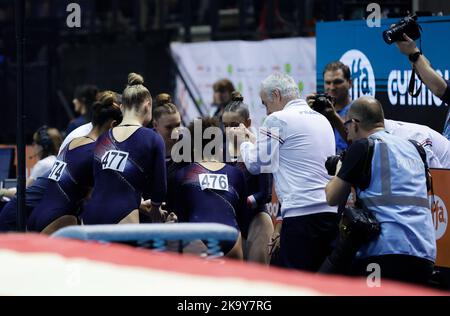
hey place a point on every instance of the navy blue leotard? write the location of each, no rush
(71, 179)
(125, 172)
(191, 203)
(259, 192)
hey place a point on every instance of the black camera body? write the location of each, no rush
(359, 224)
(407, 25)
(332, 162)
(321, 102)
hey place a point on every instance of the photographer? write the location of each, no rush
(336, 103)
(437, 84)
(389, 178)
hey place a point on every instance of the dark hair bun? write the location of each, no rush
(236, 96)
(163, 98)
(105, 108)
(104, 99)
(135, 79)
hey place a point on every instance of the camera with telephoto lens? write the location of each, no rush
(407, 25)
(332, 162)
(321, 102)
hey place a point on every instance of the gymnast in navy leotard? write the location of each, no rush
(257, 227)
(167, 122)
(33, 196)
(129, 165)
(71, 177)
(209, 191)
(196, 202)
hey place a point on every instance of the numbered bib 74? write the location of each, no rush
(57, 170)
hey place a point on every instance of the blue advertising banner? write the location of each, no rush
(380, 70)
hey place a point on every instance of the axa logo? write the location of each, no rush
(440, 216)
(362, 73)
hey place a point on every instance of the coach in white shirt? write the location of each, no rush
(293, 144)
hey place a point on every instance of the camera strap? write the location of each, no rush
(367, 169)
(412, 80)
(428, 176)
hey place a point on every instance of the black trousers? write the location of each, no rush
(397, 267)
(305, 241)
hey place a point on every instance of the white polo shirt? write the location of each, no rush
(83, 130)
(436, 145)
(42, 167)
(294, 144)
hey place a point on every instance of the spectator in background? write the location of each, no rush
(437, 84)
(281, 13)
(84, 97)
(46, 143)
(222, 96)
